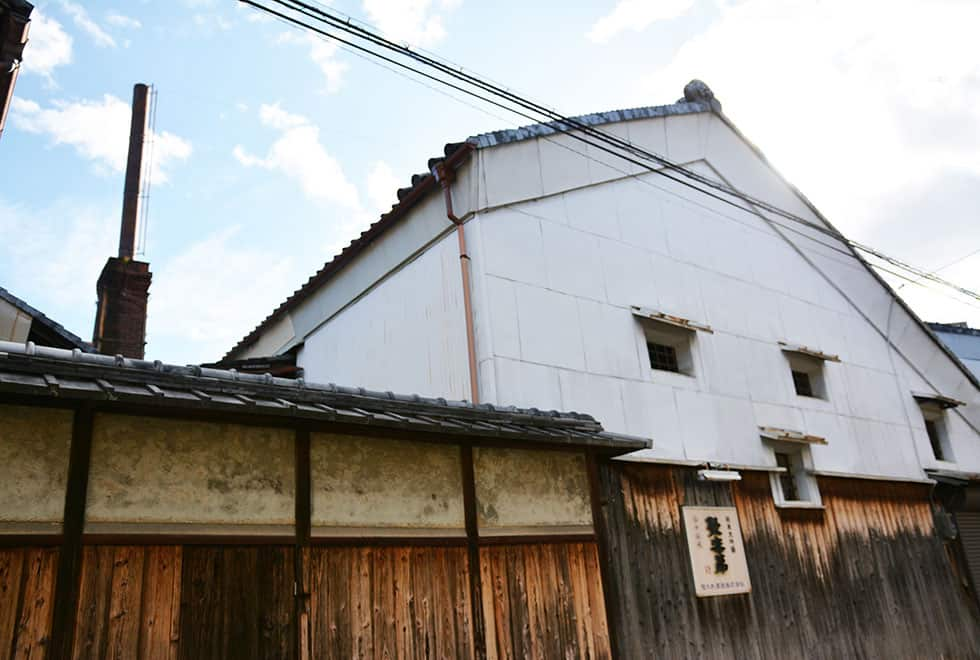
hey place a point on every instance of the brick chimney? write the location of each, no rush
(124, 285)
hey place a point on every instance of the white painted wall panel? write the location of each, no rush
(611, 340)
(556, 275)
(572, 259)
(408, 335)
(550, 329)
(527, 385)
(513, 247)
(564, 164)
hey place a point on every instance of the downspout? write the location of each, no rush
(445, 176)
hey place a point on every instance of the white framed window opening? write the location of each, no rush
(794, 485)
(934, 418)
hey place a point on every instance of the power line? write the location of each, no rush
(557, 121)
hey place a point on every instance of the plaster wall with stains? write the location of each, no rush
(34, 449)
(162, 471)
(376, 483)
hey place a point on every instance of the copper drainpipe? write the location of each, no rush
(445, 176)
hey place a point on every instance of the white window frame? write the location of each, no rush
(935, 413)
(802, 472)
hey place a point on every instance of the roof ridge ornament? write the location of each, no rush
(697, 91)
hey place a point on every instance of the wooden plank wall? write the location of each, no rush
(543, 601)
(866, 577)
(389, 602)
(197, 601)
(27, 580)
(169, 602)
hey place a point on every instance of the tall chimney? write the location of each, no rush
(124, 285)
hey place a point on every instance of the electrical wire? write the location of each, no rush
(558, 121)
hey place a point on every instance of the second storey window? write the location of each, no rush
(935, 420)
(662, 357)
(807, 367)
(801, 381)
(787, 479)
(669, 340)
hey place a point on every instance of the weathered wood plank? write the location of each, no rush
(125, 603)
(11, 592)
(33, 629)
(397, 602)
(866, 577)
(547, 601)
(159, 627)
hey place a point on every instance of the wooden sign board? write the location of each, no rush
(714, 542)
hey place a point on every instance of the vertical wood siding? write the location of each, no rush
(543, 601)
(27, 580)
(388, 602)
(866, 577)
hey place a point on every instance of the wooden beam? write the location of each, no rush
(473, 553)
(70, 557)
(301, 618)
(602, 546)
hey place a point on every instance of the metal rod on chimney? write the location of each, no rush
(134, 166)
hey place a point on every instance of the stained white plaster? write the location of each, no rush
(571, 259)
(556, 274)
(550, 330)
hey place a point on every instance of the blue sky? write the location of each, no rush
(274, 149)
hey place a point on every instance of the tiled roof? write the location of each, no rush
(46, 373)
(455, 154)
(51, 325)
(954, 328)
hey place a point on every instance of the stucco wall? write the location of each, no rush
(557, 275)
(34, 449)
(370, 483)
(520, 490)
(407, 335)
(565, 240)
(159, 471)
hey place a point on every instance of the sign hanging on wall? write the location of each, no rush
(714, 542)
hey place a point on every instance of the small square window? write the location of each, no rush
(663, 357)
(808, 375)
(801, 381)
(794, 485)
(935, 421)
(787, 480)
(668, 347)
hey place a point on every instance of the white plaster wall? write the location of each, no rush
(559, 271)
(153, 471)
(408, 334)
(362, 482)
(34, 447)
(562, 245)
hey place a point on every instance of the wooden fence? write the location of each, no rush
(864, 578)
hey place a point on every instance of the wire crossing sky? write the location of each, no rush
(274, 147)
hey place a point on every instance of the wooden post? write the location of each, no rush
(303, 525)
(473, 553)
(602, 545)
(70, 557)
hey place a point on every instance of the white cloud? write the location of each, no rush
(99, 132)
(48, 46)
(636, 15)
(298, 154)
(382, 184)
(417, 22)
(323, 52)
(864, 106)
(838, 98)
(101, 38)
(120, 21)
(61, 287)
(203, 297)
